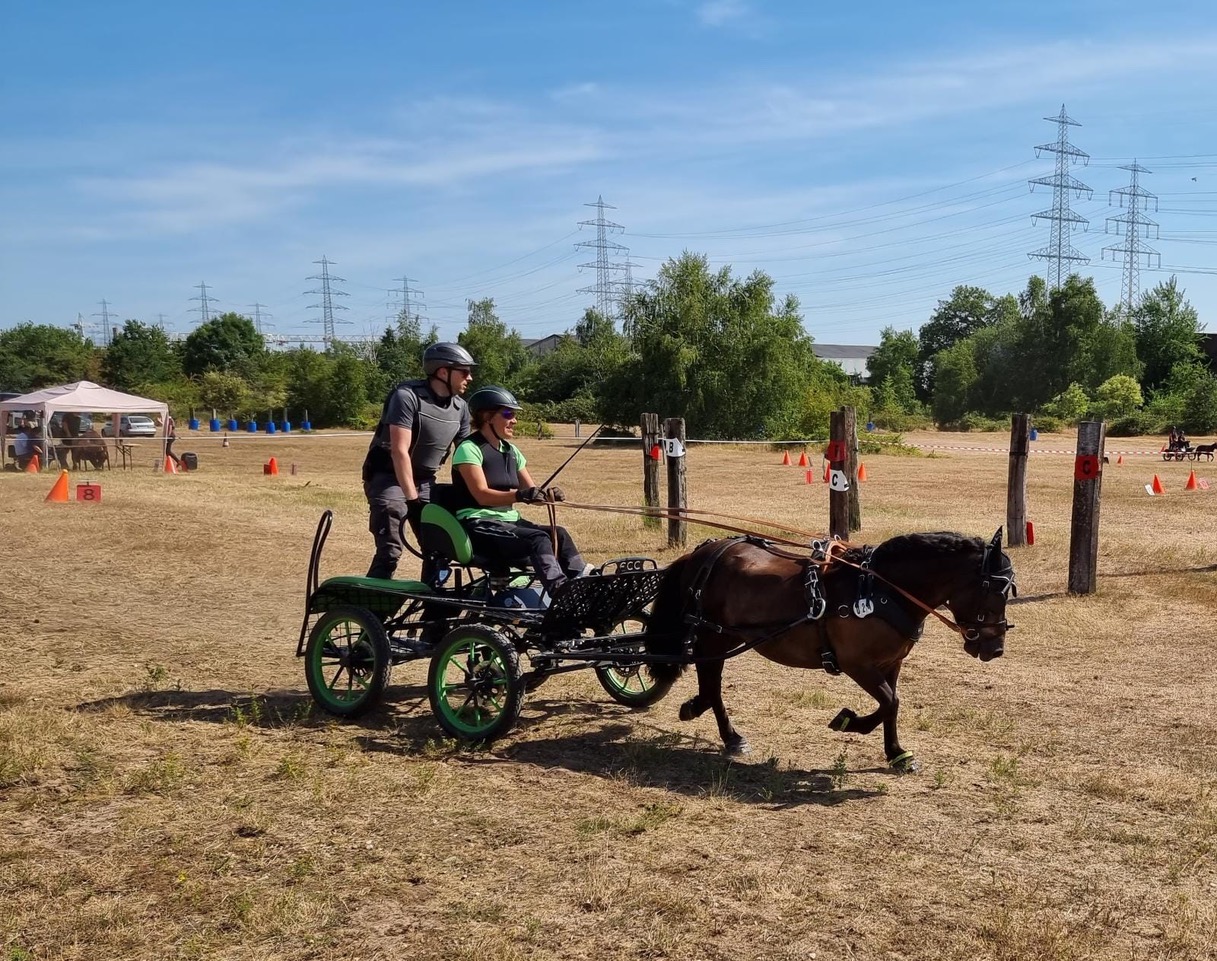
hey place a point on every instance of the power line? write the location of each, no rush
(327, 305)
(1131, 224)
(606, 287)
(1059, 250)
(204, 308)
(258, 317)
(105, 323)
(406, 302)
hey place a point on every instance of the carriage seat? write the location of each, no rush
(441, 535)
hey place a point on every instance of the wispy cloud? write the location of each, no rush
(717, 13)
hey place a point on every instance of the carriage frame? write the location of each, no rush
(484, 656)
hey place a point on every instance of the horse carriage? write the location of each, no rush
(1183, 450)
(489, 639)
(484, 629)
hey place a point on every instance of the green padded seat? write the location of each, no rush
(442, 533)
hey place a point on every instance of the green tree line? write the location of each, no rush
(727, 353)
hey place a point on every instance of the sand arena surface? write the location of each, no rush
(168, 791)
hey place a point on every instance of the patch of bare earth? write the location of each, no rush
(167, 789)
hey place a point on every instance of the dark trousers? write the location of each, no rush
(514, 542)
(169, 451)
(387, 509)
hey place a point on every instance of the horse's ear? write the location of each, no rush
(996, 542)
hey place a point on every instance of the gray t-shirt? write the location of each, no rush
(435, 422)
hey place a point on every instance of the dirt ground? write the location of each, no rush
(167, 789)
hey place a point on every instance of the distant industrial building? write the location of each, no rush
(851, 358)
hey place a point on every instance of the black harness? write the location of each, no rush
(872, 597)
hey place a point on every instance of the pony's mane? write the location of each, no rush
(914, 547)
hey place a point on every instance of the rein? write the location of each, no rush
(682, 514)
(832, 550)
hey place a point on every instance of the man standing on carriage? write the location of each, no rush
(420, 423)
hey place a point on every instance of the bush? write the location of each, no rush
(1134, 425)
(899, 420)
(1049, 424)
(972, 421)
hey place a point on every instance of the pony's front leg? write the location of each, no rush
(877, 685)
(710, 695)
(898, 758)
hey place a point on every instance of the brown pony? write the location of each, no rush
(852, 610)
(89, 447)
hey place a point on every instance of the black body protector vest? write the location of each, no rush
(500, 468)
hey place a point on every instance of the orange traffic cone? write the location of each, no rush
(170, 467)
(1191, 482)
(1157, 486)
(785, 458)
(1119, 460)
(861, 473)
(803, 462)
(33, 467)
(273, 468)
(59, 492)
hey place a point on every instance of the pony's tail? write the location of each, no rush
(666, 626)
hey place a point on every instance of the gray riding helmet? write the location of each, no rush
(446, 354)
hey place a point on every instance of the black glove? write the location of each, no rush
(555, 494)
(530, 495)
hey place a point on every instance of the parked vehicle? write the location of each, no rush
(131, 425)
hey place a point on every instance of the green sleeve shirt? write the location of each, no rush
(470, 452)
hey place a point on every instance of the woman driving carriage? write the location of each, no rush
(488, 477)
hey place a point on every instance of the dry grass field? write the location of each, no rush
(168, 791)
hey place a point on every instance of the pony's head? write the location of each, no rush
(979, 604)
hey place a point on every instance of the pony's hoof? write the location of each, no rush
(688, 711)
(737, 748)
(905, 763)
(843, 719)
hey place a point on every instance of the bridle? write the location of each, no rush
(997, 580)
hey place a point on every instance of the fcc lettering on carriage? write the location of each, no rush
(1086, 467)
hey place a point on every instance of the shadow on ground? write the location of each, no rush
(612, 742)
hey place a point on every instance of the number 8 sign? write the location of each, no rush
(1086, 467)
(88, 493)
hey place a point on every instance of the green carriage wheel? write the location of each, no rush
(474, 683)
(632, 684)
(347, 661)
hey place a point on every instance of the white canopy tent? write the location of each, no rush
(83, 397)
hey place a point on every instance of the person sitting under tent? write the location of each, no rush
(27, 445)
(489, 476)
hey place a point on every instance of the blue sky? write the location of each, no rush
(868, 157)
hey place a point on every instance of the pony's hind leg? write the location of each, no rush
(710, 695)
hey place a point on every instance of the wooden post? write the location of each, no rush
(838, 501)
(1016, 484)
(678, 499)
(1087, 487)
(851, 468)
(650, 466)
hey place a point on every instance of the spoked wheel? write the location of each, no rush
(474, 683)
(632, 684)
(347, 661)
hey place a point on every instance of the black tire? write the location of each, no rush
(632, 684)
(347, 661)
(474, 683)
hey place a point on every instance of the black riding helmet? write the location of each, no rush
(491, 397)
(445, 354)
